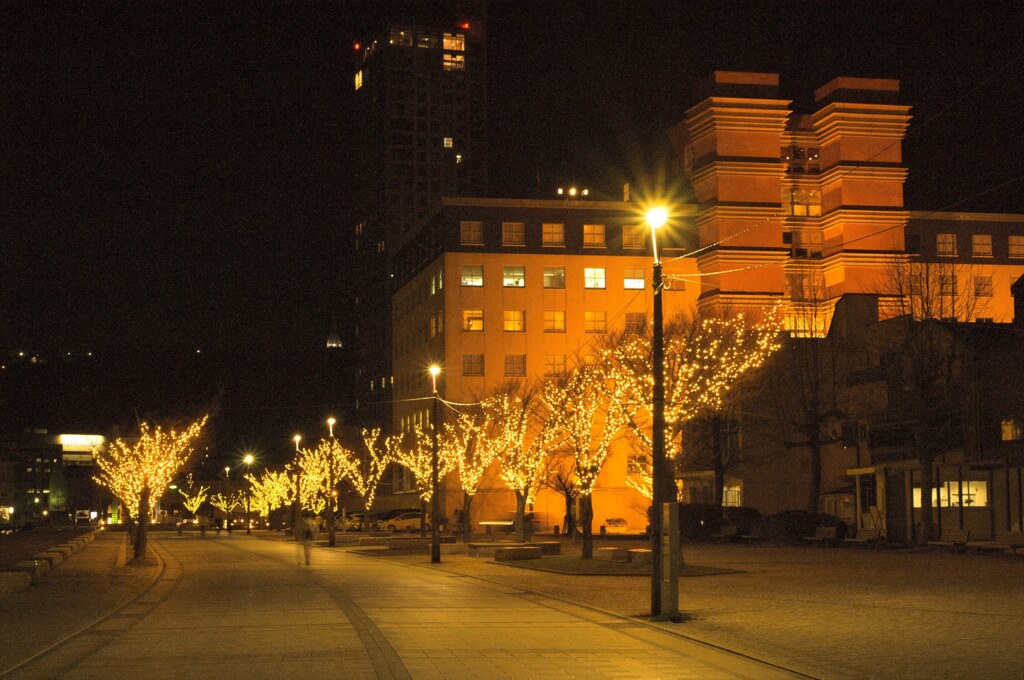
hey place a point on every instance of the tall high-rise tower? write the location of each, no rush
(420, 134)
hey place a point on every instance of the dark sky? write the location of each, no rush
(174, 174)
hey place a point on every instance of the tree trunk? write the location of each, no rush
(587, 524)
(423, 518)
(569, 522)
(814, 490)
(143, 525)
(718, 463)
(927, 484)
(521, 517)
(467, 518)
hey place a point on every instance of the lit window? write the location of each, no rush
(472, 275)
(634, 279)
(954, 494)
(595, 322)
(801, 202)
(515, 277)
(945, 245)
(400, 37)
(732, 496)
(448, 142)
(359, 79)
(458, 158)
(593, 235)
(981, 245)
(472, 364)
(512, 234)
(515, 364)
(1016, 246)
(425, 40)
(947, 285)
(554, 277)
(471, 233)
(553, 234)
(554, 321)
(983, 286)
(633, 235)
(593, 277)
(554, 364)
(472, 319)
(514, 320)
(454, 62)
(635, 322)
(1011, 430)
(456, 42)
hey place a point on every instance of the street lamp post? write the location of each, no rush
(297, 506)
(248, 460)
(435, 504)
(665, 564)
(227, 486)
(331, 494)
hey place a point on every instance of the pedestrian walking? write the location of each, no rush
(309, 531)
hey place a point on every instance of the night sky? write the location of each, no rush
(174, 175)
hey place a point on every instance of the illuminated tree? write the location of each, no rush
(194, 498)
(313, 474)
(704, 358)
(366, 474)
(227, 503)
(269, 491)
(139, 472)
(520, 434)
(587, 420)
(461, 443)
(328, 461)
(415, 454)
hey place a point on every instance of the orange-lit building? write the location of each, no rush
(497, 290)
(797, 209)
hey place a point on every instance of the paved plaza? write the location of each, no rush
(245, 607)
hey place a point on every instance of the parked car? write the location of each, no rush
(353, 521)
(407, 521)
(379, 523)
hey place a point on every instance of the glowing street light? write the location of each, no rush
(297, 506)
(664, 568)
(248, 460)
(331, 506)
(435, 504)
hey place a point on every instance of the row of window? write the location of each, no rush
(554, 277)
(471, 233)
(948, 287)
(514, 321)
(515, 365)
(981, 245)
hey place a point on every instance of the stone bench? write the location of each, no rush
(408, 543)
(52, 556)
(64, 549)
(548, 547)
(824, 536)
(502, 525)
(613, 554)
(955, 539)
(34, 568)
(14, 582)
(477, 549)
(639, 555)
(866, 536)
(373, 540)
(517, 552)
